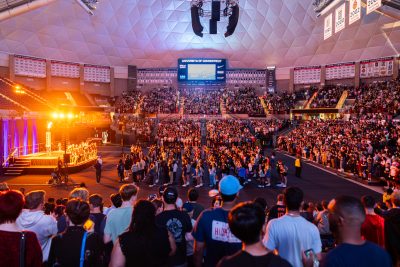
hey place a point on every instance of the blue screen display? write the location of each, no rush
(199, 70)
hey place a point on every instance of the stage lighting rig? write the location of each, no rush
(231, 10)
(196, 11)
(88, 5)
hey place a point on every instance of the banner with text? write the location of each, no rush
(372, 5)
(380, 67)
(307, 75)
(29, 66)
(328, 27)
(340, 18)
(340, 71)
(354, 11)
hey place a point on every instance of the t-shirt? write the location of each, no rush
(197, 209)
(276, 212)
(291, 235)
(373, 229)
(242, 258)
(98, 218)
(66, 248)
(147, 251)
(212, 228)
(366, 255)
(178, 223)
(118, 221)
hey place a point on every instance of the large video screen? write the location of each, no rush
(195, 70)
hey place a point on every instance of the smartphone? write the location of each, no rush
(308, 253)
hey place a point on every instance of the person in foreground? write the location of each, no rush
(246, 221)
(346, 215)
(11, 203)
(144, 244)
(211, 232)
(291, 234)
(75, 244)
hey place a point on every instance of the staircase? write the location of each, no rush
(17, 168)
(203, 131)
(264, 105)
(308, 103)
(182, 106)
(342, 100)
(222, 107)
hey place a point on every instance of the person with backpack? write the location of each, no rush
(76, 246)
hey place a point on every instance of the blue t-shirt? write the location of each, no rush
(212, 228)
(366, 255)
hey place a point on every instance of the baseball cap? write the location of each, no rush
(229, 185)
(170, 195)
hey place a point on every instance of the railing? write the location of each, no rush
(23, 150)
(11, 155)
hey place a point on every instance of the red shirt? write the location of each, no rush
(373, 229)
(10, 250)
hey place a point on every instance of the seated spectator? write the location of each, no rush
(243, 101)
(11, 204)
(373, 227)
(202, 101)
(246, 221)
(34, 219)
(75, 244)
(160, 100)
(346, 215)
(291, 234)
(144, 244)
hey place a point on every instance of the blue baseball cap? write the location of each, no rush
(229, 185)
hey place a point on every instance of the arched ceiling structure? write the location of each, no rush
(155, 33)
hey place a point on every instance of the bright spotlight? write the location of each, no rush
(55, 115)
(70, 116)
(62, 115)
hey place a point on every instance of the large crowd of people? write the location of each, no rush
(160, 100)
(243, 101)
(128, 102)
(366, 147)
(168, 230)
(381, 97)
(186, 132)
(228, 132)
(282, 103)
(202, 101)
(328, 96)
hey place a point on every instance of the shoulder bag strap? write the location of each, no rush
(22, 250)
(82, 258)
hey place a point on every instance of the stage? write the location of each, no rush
(44, 163)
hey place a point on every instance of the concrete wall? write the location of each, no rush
(36, 83)
(120, 85)
(4, 72)
(96, 88)
(64, 84)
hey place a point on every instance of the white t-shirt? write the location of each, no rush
(291, 235)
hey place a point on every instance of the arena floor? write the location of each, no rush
(316, 183)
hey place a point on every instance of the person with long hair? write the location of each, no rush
(11, 250)
(145, 243)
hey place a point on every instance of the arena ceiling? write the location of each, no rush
(155, 33)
